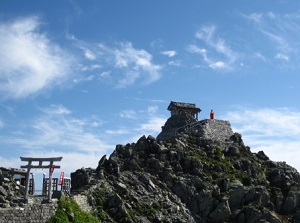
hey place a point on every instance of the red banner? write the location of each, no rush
(61, 178)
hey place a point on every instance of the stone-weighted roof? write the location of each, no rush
(183, 105)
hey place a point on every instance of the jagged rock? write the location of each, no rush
(236, 195)
(271, 216)
(3, 192)
(207, 175)
(296, 218)
(147, 182)
(70, 216)
(292, 200)
(2, 199)
(237, 138)
(121, 188)
(151, 138)
(221, 212)
(262, 155)
(124, 151)
(101, 162)
(80, 178)
(233, 151)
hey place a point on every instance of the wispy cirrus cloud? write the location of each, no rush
(281, 30)
(261, 57)
(281, 57)
(56, 110)
(30, 62)
(147, 121)
(218, 55)
(131, 114)
(276, 131)
(57, 129)
(89, 54)
(130, 64)
(119, 64)
(169, 53)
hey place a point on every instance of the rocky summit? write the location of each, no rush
(193, 171)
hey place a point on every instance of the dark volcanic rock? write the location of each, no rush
(11, 193)
(195, 172)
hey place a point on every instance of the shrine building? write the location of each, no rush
(177, 108)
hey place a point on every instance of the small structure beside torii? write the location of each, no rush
(40, 165)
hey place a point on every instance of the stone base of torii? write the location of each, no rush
(39, 165)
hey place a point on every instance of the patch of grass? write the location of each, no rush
(100, 195)
(69, 211)
(150, 210)
(218, 153)
(217, 164)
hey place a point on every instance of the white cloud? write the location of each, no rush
(269, 122)
(282, 31)
(130, 64)
(281, 57)
(145, 122)
(10, 162)
(256, 17)
(192, 48)
(121, 131)
(218, 55)
(80, 142)
(170, 53)
(176, 63)
(153, 125)
(131, 114)
(218, 65)
(105, 74)
(30, 62)
(57, 129)
(121, 65)
(152, 109)
(153, 122)
(203, 52)
(89, 67)
(89, 54)
(84, 78)
(56, 110)
(275, 131)
(261, 57)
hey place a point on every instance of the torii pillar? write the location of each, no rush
(40, 165)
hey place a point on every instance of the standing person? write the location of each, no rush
(212, 114)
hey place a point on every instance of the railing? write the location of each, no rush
(188, 127)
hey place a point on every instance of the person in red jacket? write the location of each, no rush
(212, 114)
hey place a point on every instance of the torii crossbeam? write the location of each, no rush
(40, 165)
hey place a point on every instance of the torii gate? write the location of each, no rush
(40, 165)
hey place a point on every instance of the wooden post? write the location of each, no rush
(27, 180)
(50, 180)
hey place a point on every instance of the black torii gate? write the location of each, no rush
(40, 165)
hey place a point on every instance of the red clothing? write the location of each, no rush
(212, 115)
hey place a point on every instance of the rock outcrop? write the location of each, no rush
(10, 192)
(195, 174)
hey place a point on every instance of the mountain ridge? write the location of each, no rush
(203, 173)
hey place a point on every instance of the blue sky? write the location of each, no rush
(79, 77)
